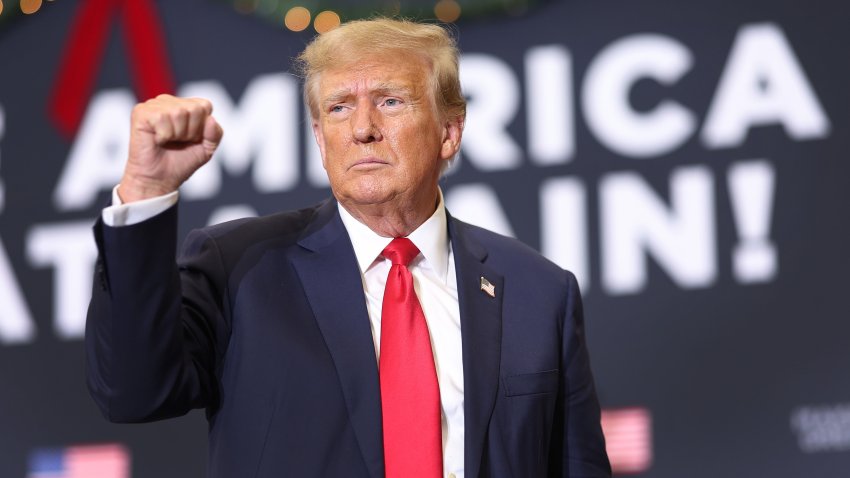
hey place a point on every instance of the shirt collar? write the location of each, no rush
(431, 238)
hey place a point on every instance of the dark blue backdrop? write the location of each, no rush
(686, 159)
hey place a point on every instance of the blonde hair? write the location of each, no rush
(362, 38)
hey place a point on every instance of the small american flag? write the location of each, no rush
(628, 439)
(487, 287)
(84, 461)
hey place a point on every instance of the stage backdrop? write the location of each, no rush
(687, 160)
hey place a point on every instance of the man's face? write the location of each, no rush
(382, 139)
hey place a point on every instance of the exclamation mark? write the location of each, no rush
(2, 131)
(751, 187)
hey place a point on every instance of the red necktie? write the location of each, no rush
(410, 395)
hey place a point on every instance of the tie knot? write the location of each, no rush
(400, 251)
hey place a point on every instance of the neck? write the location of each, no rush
(390, 219)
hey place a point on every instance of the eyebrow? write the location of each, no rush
(393, 88)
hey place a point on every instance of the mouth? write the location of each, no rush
(368, 163)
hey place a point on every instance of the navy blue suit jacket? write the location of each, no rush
(263, 323)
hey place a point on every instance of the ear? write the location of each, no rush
(320, 140)
(452, 132)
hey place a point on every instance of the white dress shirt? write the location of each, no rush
(434, 280)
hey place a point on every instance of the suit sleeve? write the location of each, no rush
(155, 332)
(578, 446)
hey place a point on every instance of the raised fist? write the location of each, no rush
(170, 138)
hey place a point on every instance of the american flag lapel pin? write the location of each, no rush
(487, 287)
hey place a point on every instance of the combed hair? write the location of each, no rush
(359, 39)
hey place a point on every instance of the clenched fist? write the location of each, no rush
(170, 138)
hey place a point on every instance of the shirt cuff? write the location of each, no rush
(120, 214)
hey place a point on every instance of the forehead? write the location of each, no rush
(389, 71)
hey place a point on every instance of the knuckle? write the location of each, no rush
(200, 109)
(200, 105)
(157, 117)
(141, 109)
(181, 113)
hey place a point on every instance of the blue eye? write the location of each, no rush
(392, 102)
(336, 109)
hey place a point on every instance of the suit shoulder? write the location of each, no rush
(277, 224)
(509, 253)
(282, 228)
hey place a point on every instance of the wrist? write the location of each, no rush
(132, 190)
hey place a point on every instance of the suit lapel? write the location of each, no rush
(329, 273)
(331, 279)
(481, 328)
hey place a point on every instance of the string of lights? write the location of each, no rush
(298, 16)
(14, 8)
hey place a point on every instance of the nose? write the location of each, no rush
(363, 123)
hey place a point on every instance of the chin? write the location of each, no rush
(372, 192)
